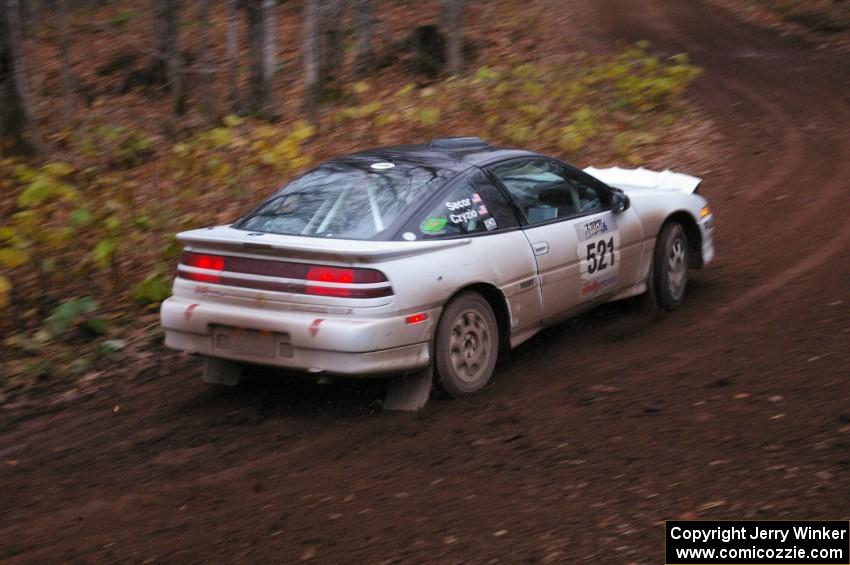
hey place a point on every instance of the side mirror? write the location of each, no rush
(619, 201)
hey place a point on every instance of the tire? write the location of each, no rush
(467, 345)
(670, 266)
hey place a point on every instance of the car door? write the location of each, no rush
(571, 230)
(473, 207)
(621, 231)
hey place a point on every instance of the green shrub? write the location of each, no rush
(153, 289)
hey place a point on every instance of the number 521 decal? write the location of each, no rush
(600, 255)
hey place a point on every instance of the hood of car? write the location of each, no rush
(632, 179)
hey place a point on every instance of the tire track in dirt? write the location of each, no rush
(803, 157)
(786, 255)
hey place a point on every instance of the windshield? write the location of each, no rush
(349, 200)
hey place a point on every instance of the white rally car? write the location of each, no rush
(429, 259)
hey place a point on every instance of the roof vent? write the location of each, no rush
(457, 143)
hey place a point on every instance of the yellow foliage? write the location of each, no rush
(11, 258)
(361, 87)
(5, 292)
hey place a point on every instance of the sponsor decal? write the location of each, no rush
(482, 210)
(596, 286)
(434, 225)
(595, 227)
(314, 327)
(408, 236)
(490, 224)
(476, 198)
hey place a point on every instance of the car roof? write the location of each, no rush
(455, 158)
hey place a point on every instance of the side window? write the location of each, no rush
(589, 198)
(473, 206)
(545, 191)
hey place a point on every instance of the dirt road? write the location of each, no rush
(737, 406)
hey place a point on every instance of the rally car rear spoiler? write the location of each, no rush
(644, 178)
(226, 238)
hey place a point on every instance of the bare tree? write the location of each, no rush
(68, 90)
(16, 120)
(330, 22)
(311, 59)
(169, 57)
(269, 39)
(262, 49)
(208, 105)
(452, 21)
(365, 58)
(232, 55)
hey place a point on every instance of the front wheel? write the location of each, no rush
(670, 266)
(467, 345)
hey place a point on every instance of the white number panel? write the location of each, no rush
(599, 255)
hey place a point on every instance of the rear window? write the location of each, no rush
(347, 200)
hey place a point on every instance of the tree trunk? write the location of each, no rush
(311, 60)
(330, 49)
(263, 54)
(365, 59)
(269, 40)
(25, 15)
(208, 105)
(452, 20)
(16, 120)
(68, 90)
(169, 57)
(233, 55)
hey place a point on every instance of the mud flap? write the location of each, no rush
(221, 372)
(410, 392)
(649, 302)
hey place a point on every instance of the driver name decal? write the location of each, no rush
(458, 204)
(465, 209)
(463, 217)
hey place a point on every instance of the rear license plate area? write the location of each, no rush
(251, 343)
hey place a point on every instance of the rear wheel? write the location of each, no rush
(670, 270)
(467, 345)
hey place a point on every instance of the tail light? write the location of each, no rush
(329, 275)
(302, 278)
(203, 261)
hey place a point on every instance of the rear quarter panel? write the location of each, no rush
(504, 260)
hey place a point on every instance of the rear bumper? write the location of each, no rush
(372, 363)
(316, 342)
